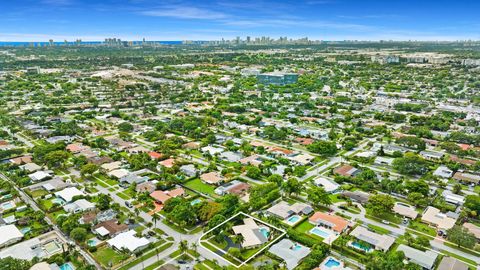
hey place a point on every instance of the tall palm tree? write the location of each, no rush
(155, 219)
(183, 247)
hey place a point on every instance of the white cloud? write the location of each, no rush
(183, 12)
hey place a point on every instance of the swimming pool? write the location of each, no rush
(196, 201)
(360, 246)
(296, 247)
(332, 263)
(67, 266)
(93, 242)
(58, 201)
(25, 230)
(265, 231)
(52, 247)
(320, 232)
(7, 205)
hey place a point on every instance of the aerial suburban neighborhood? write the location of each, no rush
(251, 153)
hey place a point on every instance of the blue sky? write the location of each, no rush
(40, 20)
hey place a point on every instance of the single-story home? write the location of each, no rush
(213, 178)
(78, 206)
(111, 166)
(430, 155)
(133, 178)
(332, 222)
(346, 170)
(453, 198)
(110, 227)
(189, 170)
(10, 234)
(473, 229)
(128, 240)
(162, 196)
(167, 163)
(425, 259)
(39, 176)
(383, 161)
(357, 196)
(31, 167)
(379, 241)
(328, 185)
(233, 187)
(449, 263)
(251, 232)
(301, 159)
(146, 187)
(67, 194)
(284, 210)
(231, 156)
(118, 173)
(467, 177)
(212, 150)
(405, 210)
(434, 217)
(443, 172)
(254, 160)
(292, 253)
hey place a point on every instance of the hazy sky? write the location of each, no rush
(40, 20)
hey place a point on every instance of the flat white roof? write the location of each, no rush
(8, 233)
(68, 193)
(128, 240)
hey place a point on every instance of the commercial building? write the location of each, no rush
(277, 78)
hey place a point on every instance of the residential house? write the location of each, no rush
(254, 160)
(467, 177)
(167, 163)
(473, 229)
(213, 178)
(292, 253)
(328, 185)
(405, 210)
(357, 196)
(432, 156)
(425, 259)
(231, 156)
(10, 234)
(434, 217)
(380, 242)
(39, 176)
(67, 194)
(453, 198)
(161, 196)
(31, 167)
(449, 263)
(346, 170)
(301, 159)
(443, 172)
(332, 222)
(233, 187)
(78, 206)
(253, 235)
(146, 187)
(284, 210)
(110, 228)
(128, 240)
(189, 170)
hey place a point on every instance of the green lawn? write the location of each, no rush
(123, 196)
(335, 198)
(198, 185)
(146, 256)
(421, 227)
(305, 228)
(38, 193)
(378, 229)
(107, 256)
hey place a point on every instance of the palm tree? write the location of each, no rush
(183, 247)
(155, 219)
(238, 239)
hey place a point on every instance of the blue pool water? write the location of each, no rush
(67, 266)
(357, 245)
(296, 247)
(293, 219)
(25, 230)
(93, 242)
(265, 232)
(332, 263)
(318, 231)
(196, 201)
(7, 206)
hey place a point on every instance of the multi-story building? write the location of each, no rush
(277, 78)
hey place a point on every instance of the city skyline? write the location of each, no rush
(35, 21)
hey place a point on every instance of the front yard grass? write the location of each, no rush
(421, 227)
(197, 185)
(107, 256)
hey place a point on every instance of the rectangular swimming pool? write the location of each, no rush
(320, 232)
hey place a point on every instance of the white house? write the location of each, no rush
(9, 235)
(129, 241)
(67, 194)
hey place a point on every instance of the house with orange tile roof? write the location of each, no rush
(304, 141)
(155, 155)
(213, 178)
(332, 222)
(161, 196)
(346, 170)
(168, 163)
